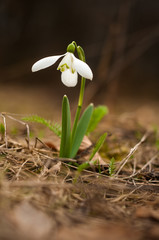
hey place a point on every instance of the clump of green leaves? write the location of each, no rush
(71, 141)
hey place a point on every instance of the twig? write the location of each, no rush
(87, 171)
(17, 175)
(139, 171)
(132, 151)
(3, 145)
(124, 196)
(38, 140)
(26, 125)
(55, 158)
(4, 115)
(135, 163)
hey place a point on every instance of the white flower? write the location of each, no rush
(69, 67)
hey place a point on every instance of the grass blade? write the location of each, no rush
(98, 145)
(2, 129)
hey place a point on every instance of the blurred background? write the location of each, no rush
(121, 43)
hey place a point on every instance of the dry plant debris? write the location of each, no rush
(43, 197)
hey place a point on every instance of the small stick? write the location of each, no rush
(2, 145)
(124, 196)
(132, 151)
(135, 163)
(17, 175)
(87, 171)
(148, 163)
(23, 123)
(38, 140)
(55, 158)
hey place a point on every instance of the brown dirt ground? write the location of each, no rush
(42, 197)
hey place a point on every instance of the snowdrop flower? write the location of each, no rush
(69, 67)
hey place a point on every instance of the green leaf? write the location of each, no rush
(81, 130)
(54, 127)
(83, 166)
(112, 166)
(98, 145)
(98, 113)
(2, 129)
(66, 129)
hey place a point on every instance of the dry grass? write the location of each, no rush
(40, 198)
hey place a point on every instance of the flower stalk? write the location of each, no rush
(81, 56)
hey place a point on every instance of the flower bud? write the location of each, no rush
(71, 48)
(81, 54)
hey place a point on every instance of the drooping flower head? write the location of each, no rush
(70, 67)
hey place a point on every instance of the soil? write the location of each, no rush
(45, 197)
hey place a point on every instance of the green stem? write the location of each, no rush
(80, 102)
(75, 44)
(81, 95)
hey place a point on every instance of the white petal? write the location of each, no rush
(82, 68)
(66, 60)
(69, 79)
(45, 62)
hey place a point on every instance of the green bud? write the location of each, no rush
(81, 54)
(71, 48)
